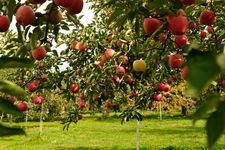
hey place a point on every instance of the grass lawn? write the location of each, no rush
(108, 134)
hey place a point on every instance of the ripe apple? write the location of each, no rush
(203, 34)
(119, 43)
(81, 47)
(162, 37)
(178, 25)
(39, 53)
(192, 25)
(64, 3)
(25, 15)
(120, 70)
(22, 106)
(38, 100)
(151, 25)
(127, 78)
(74, 88)
(101, 60)
(108, 104)
(159, 86)
(76, 7)
(176, 60)
(209, 29)
(109, 53)
(96, 96)
(37, 1)
(116, 79)
(207, 17)
(82, 96)
(139, 65)
(188, 2)
(223, 83)
(158, 97)
(4, 23)
(184, 72)
(55, 17)
(166, 87)
(123, 60)
(181, 40)
(82, 104)
(32, 86)
(11, 99)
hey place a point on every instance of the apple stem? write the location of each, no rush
(41, 121)
(26, 120)
(137, 135)
(160, 111)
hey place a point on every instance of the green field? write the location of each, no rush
(108, 134)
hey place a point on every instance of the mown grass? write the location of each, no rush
(108, 134)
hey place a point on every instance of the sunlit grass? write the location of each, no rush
(108, 134)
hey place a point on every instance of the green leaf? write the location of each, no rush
(11, 88)
(14, 62)
(203, 68)
(7, 131)
(11, 8)
(9, 108)
(209, 104)
(215, 125)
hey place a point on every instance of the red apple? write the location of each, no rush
(76, 7)
(116, 79)
(37, 1)
(158, 97)
(192, 25)
(55, 17)
(22, 106)
(11, 99)
(74, 88)
(151, 25)
(207, 17)
(203, 34)
(123, 60)
(120, 70)
(82, 104)
(223, 83)
(96, 96)
(128, 79)
(39, 53)
(25, 15)
(82, 96)
(166, 87)
(176, 60)
(119, 43)
(32, 86)
(178, 25)
(159, 86)
(188, 2)
(64, 3)
(38, 100)
(109, 53)
(209, 29)
(4, 23)
(181, 40)
(184, 72)
(108, 104)
(162, 37)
